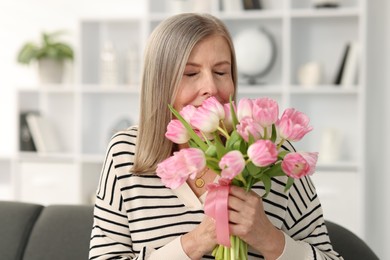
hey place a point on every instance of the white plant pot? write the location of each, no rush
(51, 71)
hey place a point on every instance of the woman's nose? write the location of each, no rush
(209, 87)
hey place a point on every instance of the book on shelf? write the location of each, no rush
(26, 142)
(348, 68)
(341, 67)
(350, 73)
(252, 4)
(43, 133)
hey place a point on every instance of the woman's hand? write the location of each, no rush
(249, 222)
(201, 240)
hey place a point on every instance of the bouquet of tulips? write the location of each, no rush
(244, 145)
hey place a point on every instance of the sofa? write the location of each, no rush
(35, 232)
(62, 232)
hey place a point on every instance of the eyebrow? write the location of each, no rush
(217, 64)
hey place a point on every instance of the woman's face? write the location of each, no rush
(207, 73)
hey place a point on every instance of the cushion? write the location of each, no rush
(16, 222)
(62, 232)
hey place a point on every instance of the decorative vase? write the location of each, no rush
(51, 71)
(309, 74)
(108, 66)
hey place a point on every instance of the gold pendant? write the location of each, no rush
(199, 183)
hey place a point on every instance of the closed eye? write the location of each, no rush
(192, 74)
(220, 73)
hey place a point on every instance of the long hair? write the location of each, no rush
(166, 55)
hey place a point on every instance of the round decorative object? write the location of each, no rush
(199, 183)
(255, 53)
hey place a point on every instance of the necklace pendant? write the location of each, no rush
(199, 183)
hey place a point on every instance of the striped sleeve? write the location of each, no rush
(110, 238)
(111, 233)
(305, 225)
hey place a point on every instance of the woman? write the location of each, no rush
(189, 58)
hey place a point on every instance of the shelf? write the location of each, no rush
(325, 90)
(252, 15)
(54, 88)
(259, 89)
(117, 89)
(37, 156)
(89, 112)
(325, 13)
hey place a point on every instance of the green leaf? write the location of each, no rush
(233, 113)
(49, 47)
(234, 138)
(289, 183)
(253, 170)
(211, 151)
(193, 144)
(237, 183)
(27, 53)
(267, 184)
(213, 165)
(274, 134)
(251, 139)
(237, 145)
(282, 153)
(220, 148)
(275, 170)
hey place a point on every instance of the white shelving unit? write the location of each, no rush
(86, 113)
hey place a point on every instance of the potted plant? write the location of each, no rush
(50, 55)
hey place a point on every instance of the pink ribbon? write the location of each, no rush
(216, 206)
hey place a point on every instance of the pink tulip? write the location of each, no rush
(263, 153)
(213, 105)
(244, 108)
(293, 125)
(299, 164)
(248, 126)
(175, 170)
(205, 120)
(228, 121)
(232, 164)
(187, 112)
(176, 132)
(265, 111)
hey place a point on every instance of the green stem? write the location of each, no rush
(244, 250)
(226, 253)
(280, 144)
(205, 138)
(224, 127)
(242, 179)
(232, 248)
(223, 132)
(265, 133)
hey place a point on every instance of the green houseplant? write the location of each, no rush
(50, 54)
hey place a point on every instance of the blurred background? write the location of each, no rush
(327, 58)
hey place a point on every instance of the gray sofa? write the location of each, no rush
(62, 232)
(34, 232)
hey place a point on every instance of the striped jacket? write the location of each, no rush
(137, 217)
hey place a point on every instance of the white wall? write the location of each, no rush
(386, 171)
(378, 129)
(24, 20)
